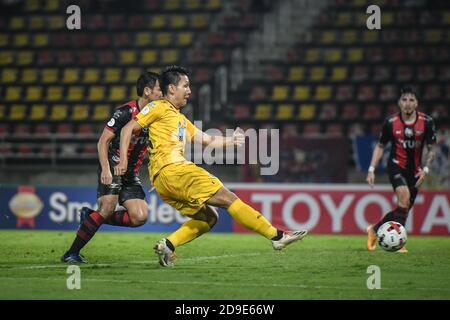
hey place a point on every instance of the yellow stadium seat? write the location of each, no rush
(4, 40)
(323, 93)
(29, 75)
(371, 36)
(355, 55)
(33, 93)
(75, 93)
(9, 75)
(91, 75)
(163, 38)
(31, 5)
(41, 40)
(57, 22)
(149, 56)
(192, 4)
(80, 112)
(2, 112)
(143, 39)
(17, 112)
(280, 93)
(285, 112)
(387, 18)
(333, 55)
(184, 38)
(117, 93)
(433, 36)
(25, 57)
(54, 93)
(199, 20)
(96, 93)
(178, 21)
(59, 112)
(169, 56)
(101, 112)
(38, 112)
(328, 37)
(51, 5)
(172, 4)
(349, 36)
(301, 93)
(312, 55)
(13, 93)
(71, 75)
(296, 74)
(307, 111)
(263, 111)
(213, 4)
(339, 73)
(50, 75)
(446, 17)
(6, 57)
(37, 22)
(112, 75)
(317, 73)
(132, 75)
(361, 18)
(157, 22)
(359, 3)
(16, 23)
(21, 40)
(344, 19)
(127, 57)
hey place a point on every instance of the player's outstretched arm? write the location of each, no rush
(376, 156)
(125, 138)
(102, 148)
(238, 139)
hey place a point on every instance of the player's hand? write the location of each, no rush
(106, 177)
(238, 137)
(421, 175)
(121, 168)
(371, 179)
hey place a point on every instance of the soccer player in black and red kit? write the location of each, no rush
(408, 131)
(112, 189)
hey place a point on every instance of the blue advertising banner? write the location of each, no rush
(56, 208)
(362, 152)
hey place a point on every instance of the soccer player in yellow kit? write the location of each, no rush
(182, 184)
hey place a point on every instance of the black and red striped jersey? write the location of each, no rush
(408, 139)
(138, 143)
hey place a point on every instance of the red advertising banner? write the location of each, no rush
(341, 209)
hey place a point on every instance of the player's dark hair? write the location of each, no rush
(171, 75)
(408, 90)
(147, 79)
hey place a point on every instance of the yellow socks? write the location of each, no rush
(251, 219)
(188, 231)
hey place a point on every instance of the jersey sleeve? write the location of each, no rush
(191, 130)
(386, 133)
(430, 131)
(149, 114)
(119, 119)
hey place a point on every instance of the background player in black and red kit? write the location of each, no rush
(408, 131)
(126, 189)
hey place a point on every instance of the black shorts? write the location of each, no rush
(126, 187)
(402, 177)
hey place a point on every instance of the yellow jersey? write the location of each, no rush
(168, 131)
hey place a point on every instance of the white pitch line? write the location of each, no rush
(118, 264)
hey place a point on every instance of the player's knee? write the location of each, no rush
(139, 217)
(404, 199)
(106, 208)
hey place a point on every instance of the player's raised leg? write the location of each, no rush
(254, 220)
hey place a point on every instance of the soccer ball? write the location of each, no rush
(391, 236)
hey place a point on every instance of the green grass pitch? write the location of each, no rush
(122, 265)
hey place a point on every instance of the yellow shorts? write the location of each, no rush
(186, 187)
